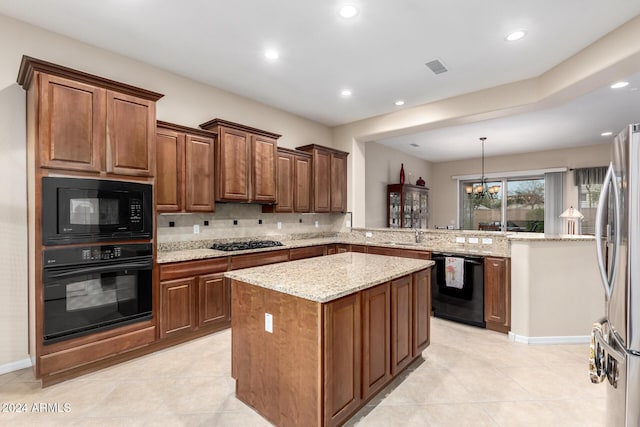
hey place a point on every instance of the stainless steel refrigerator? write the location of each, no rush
(615, 344)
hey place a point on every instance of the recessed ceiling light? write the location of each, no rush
(271, 54)
(348, 11)
(345, 92)
(516, 35)
(619, 85)
(399, 102)
(606, 134)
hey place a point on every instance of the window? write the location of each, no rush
(589, 182)
(523, 209)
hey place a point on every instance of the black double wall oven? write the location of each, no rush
(98, 256)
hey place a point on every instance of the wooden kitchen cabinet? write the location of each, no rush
(342, 358)
(401, 323)
(400, 252)
(329, 178)
(307, 252)
(185, 165)
(214, 300)
(87, 123)
(194, 297)
(246, 161)
(421, 311)
(178, 311)
(497, 293)
(293, 182)
(376, 339)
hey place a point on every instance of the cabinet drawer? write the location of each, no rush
(254, 260)
(308, 252)
(176, 270)
(95, 351)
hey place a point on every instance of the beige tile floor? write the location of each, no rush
(469, 377)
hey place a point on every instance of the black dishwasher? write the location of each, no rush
(457, 288)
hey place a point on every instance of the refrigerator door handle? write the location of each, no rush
(608, 276)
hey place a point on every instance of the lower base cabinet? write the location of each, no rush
(497, 293)
(194, 295)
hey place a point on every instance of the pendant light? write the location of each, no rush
(481, 191)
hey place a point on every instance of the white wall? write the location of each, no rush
(382, 167)
(185, 102)
(443, 196)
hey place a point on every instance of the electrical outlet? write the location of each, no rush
(279, 224)
(196, 229)
(348, 224)
(473, 240)
(459, 239)
(268, 322)
(368, 234)
(317, 224)
(487, 241)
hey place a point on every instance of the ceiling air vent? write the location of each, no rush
(436, 66)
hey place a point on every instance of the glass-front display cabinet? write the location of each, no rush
(407, 206)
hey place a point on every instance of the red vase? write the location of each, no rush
(402, 173)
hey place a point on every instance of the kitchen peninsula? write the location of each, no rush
(313, 340)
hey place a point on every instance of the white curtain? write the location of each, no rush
(553, 202)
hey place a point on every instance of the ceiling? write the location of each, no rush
(379, 55)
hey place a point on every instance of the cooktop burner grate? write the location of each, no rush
(241, 246)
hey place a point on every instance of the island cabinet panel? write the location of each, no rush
(497, 293)
(376, 339)
(342, 358)
(278, 373)
(421, 311)
(185, 169)
(71, 124)
(131, 124)
(246, 162)
(178, 308)
(401, 323)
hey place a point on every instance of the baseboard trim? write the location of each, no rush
(576, 339)
(15, 366)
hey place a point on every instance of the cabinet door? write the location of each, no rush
(170, 169)
(177, 307)
(234, 165)
(497, 294)
(199, 174)
(342, 358)
(263, 182)
(401, 323)
(421, 310)
(285, 183)
(376, 349)
(321, 181)
(71, 124)
(302, 190)
(131, 131)
(338, 182)
(214, 302)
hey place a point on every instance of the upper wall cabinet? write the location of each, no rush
(329, 183)
(82, 122)
(185, 169)
(293, 182)
(245, 162)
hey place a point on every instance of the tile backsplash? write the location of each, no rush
(249, 222)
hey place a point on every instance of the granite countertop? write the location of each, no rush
(542, 237)
(327, 278)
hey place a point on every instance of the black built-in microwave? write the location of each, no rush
(79, 210)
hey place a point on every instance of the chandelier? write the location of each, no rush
(481, 190)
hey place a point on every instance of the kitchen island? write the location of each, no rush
(313, 340)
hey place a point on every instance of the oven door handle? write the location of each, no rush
(74, 271)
